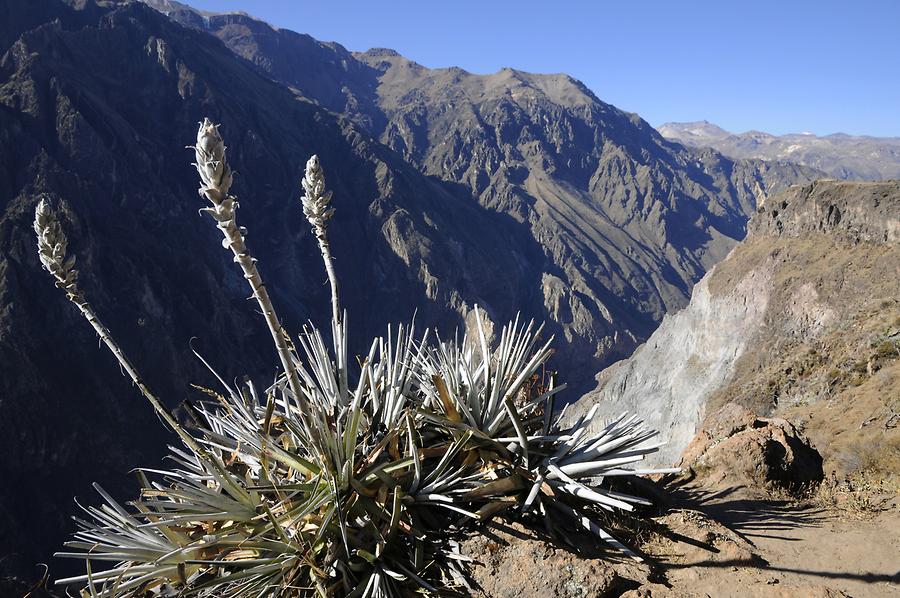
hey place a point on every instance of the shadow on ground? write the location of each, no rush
(774, 539)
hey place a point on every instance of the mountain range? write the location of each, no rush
(599, 191)
(839, 155)
(512, 191)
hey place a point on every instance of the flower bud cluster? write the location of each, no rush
(316, 201)
(52, 246)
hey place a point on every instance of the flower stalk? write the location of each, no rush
(52, 248)
(215, 181)
(317, 208)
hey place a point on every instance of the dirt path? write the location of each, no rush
(861, 558)
(770, 547)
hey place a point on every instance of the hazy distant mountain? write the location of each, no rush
(839, 155)
(513, 191)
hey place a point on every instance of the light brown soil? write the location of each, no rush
(796, 548)
(512, 561)
(716, 544)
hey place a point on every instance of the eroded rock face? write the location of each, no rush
(691, 354)
(512, 563)
(853, 212)
(793, 315)
(737, 449)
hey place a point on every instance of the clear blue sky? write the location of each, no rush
(779, 66)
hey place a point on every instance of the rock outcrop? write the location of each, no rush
(734, 448)
(511, 562)
(850, 212)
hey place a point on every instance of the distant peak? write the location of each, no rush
(168, 6)
(382, 52)
(696, 129)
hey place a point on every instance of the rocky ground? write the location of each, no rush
(745, 518)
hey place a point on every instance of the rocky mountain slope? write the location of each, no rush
(623, 221)
(839, 155)
(530, 195)
(802, 320)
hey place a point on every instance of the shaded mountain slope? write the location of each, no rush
(801, 320)
(839, 155)
(103, 134)
(628, 220)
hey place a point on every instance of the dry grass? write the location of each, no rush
(857, 299)
(856, 497)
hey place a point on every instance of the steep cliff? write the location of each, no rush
(802, 319)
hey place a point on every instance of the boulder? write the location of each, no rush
(736, 448)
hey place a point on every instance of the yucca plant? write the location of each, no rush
(339, 480)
